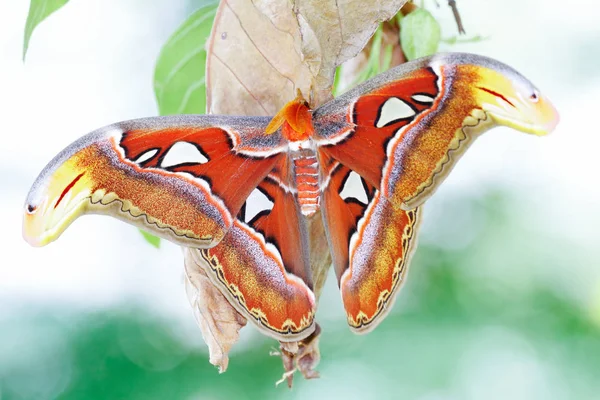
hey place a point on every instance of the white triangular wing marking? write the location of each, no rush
(256, 203)
(183, 153)
(146, 156)
(393, 109)
(423, 98)
(353, 188)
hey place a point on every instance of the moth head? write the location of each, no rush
(512, 100)
(295, 120)
(58, 196)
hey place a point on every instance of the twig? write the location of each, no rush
(459, 24)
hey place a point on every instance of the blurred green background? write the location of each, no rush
(458, 330)
(502, 299)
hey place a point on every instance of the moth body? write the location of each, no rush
(306, 177)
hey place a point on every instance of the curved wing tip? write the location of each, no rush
(37, 228)
(33, 241)
(31, 234)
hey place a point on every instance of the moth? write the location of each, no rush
(239, 188)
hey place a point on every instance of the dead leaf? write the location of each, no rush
(343, 27)
(302, 356)
(320, 257)
(257, 58)
(262, 51)
(219, 322)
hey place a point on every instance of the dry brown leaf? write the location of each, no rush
(320, 257)
(300, 356)
(343, 27)
(219, 322)
(257, 58)
(262, 51)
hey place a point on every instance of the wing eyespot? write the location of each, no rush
(534, 97)
(423, 98)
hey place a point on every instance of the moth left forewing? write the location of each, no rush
(371, 241)
(183, 178)
(262, 264)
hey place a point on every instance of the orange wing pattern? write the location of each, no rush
(375, 125)
(399, 135)
(371, 241)
(269, 239)
(404, 130)
(163, 174)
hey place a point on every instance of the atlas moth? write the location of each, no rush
(238, 188)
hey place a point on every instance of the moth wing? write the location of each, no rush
(404, 130)
(262, 264)
(371, 242)
(183, 178)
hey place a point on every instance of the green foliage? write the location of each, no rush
(452, 329)
(179, 81)
(153, 240)
(39, 10)
(337, 78)
(420, 34)
(376, 64)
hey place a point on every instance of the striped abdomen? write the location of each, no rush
(306, 170)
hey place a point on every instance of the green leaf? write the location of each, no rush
(39, 10)
(179, 83)
(153, 240)
(386, 63)
(335, 89)
(420, 34)
(373, 66)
